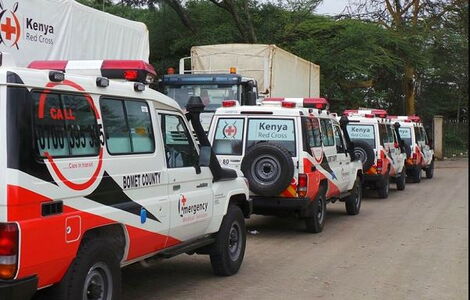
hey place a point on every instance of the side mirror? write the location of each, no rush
(204, 156)
(251, 98)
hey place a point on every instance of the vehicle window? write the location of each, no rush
(405, 134)
(228, 138)
(425, 136)
(180, 151)
(383, 134)
(279, 131)
(64, 125)
(419, 137)
(390, 134)
(313, 132)
(327, 132)
(359, 132)
(339, 139)
(127, 126)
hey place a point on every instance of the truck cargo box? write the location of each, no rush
(279, 73)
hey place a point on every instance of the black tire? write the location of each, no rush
(269, 169)
(401, 180)
(94, 273)
(383, 187)
(414, 174)
(353, 201)
(229, 248)
(365, 153)
(316, 221)
(430, 170)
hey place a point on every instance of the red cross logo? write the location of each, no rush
(183, 200)
(230, 130)
(8, 29)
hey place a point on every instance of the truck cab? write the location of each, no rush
(212, 88)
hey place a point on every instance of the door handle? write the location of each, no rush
(176, 187)
(201, 185)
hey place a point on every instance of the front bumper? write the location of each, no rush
(19, 289)
(280, 205)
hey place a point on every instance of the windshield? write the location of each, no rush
(279, 131)
(362, 133)
(405, 134)
(211, 95)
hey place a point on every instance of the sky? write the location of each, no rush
(331, 7)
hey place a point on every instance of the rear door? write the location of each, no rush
(343, 159)
(331, 165)
(190, 191)
(227, 138)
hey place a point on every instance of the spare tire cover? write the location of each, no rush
(365, 153)
(269, 168)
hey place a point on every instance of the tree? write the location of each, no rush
(413, 20)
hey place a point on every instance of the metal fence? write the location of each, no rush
(455, 138)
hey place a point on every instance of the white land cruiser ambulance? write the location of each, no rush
(97, 174)
(294, 155)
(421, 153)
(378, 145)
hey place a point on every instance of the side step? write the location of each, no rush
(186, 247)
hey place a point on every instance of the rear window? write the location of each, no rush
(364, 133)
(65, 125)
(418, 134)
(405, 134)
(228, 138)
(279, 131)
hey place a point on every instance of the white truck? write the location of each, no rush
(242, 72)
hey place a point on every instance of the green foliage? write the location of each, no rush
(361, 63)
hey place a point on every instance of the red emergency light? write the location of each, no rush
(348, 112)
(229, 103)
(380, 113)
(318, 103)
(131, 70)
(414, 118)
(288, 104)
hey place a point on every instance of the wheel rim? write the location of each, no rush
(235, 241)
(98, 283)
(266, 169)
(320, 210)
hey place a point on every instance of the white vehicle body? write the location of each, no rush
(314, 142)
(82, 154)
(277, 72)
(67, 30)
(372, 127)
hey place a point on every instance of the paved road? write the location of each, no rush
(413, 245)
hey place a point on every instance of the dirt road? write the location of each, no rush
(413, 245)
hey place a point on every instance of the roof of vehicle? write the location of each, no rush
(273, 107)
(39, 79)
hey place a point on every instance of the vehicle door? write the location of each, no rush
(399, 155)
(343, 158)
(226, 136)
(134, 162)
(420, 144)
(427, 152)
(190, 186)
(386, 146)
(331, 165)
(393, 150)
(312, 154)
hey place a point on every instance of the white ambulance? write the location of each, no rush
(421, 156)
(98, 172)
(378, 144)
(294, 155)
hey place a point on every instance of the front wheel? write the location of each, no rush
(430, 170)
(315, 222)
(353, 202)
(401, 180)
(383, 187)
(229, 248)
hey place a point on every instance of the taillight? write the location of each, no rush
(8, 250)
(379, 165)
(302, 185)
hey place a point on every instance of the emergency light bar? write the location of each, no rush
(230, 103)
(367, 113)
(318, 103)
(131, 70)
